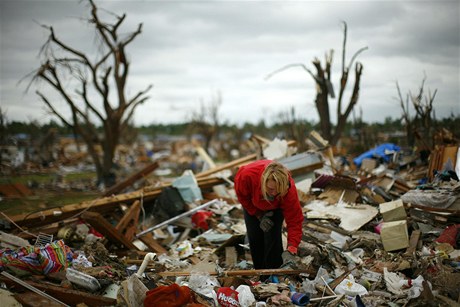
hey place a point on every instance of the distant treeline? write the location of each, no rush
(281, 130)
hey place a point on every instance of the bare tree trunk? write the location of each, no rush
(111, 66)
(321, 101)
(423, 110)
(324, 89)
(420, 125)
(406, 117)
(342, 118)
(206, 120)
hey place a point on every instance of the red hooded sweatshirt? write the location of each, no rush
(249, 192)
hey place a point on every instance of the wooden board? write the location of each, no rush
(68, 296)
(131, 179)
(105, 228)
(127, 226)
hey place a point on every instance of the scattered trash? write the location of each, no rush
(382, 233)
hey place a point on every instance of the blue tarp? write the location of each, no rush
(384, 151)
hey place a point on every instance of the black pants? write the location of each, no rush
(266, 247)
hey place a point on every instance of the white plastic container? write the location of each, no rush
(83, 280)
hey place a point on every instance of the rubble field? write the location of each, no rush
(380, 229)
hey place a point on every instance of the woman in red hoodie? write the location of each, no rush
(268, 195)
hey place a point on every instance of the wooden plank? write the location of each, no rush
(48, 229)
(105, 228)
(246, 272)
(68, 296)
(306, 169)
(230, 256)
(435, 161)
(260, 139)
(152, 244)
(204, 155)
(12, 190)
(318, 140)
(209, 182)
(227, 166)
(432, 209)
(131, 179)
(49, 216)
(104, 204)
(333, 284)
(128, 223)
(413, 242)
(431, 164)
(319, 228)
(449, 153)
(22, 189)
(32, 299)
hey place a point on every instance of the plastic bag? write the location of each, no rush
(245, 296)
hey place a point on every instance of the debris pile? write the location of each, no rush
(385, 232)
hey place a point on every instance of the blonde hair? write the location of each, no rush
(279, 174)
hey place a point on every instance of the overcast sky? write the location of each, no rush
(189, 50)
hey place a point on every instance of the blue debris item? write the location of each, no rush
(383, 151)
(297, 298)
(273, 279)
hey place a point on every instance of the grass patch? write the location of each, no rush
(25, 179)
(42, 200)
(46, 178)
(46, 197)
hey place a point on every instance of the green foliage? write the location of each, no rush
(46, 178)
(159, 129)
(43, 197)
(451, 123)
(26, 179)
(367, 134)
(34, 128)
(45, 200)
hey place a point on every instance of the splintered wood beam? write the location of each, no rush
(307, 169)
(33, 299)
(454, 212)
(226, 166)
(105, 228)
(67, 296)
(49, 216)
(413, 242)
(131, 179)
(333, 284)
(237, 162)
(104, 204)
(152, 244)
(128, 223)
(245, 272)
(209, 182)
(230, 256)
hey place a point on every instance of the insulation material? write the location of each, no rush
(351, 218)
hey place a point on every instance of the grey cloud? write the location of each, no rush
(189, 48)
